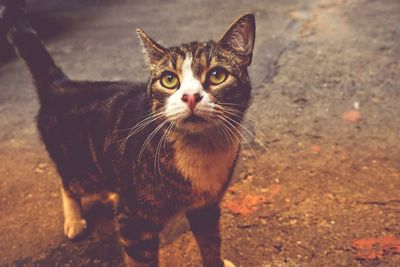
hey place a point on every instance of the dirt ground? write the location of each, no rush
(318, 180)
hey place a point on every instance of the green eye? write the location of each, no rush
(169, 80)
(217, 76)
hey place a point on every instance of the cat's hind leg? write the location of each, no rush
(74, 223)
(204, 223)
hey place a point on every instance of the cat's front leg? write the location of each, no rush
(204, 224)
(140, 241)
(74, 223)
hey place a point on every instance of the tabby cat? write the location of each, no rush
(163, 150)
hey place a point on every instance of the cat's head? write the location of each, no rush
(202, 85)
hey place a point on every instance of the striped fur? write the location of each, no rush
(162, 165)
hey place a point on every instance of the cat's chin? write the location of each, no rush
(195, 125)
(194, 119)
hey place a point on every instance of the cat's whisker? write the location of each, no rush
(139, 127)
(246, 116)
(229, 121)
(230, 104)
(175, 114)
(236, 116)
(144, 117)
(142, 122)
(241, 135)
(235, 110)
(162, 142)
(227, 136)
(136, 129)
(256, 121)
(255, 137)
(148, 139)
(229, 130)
(157, 169)
(169, 131)
(210, 112)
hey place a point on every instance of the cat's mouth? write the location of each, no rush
(195, 124)
(193, 118)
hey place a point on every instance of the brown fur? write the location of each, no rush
(208, 170)
(83, 125)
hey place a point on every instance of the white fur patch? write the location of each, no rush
(189, 85)
(74, 223)
(228, 264)
(177, 109)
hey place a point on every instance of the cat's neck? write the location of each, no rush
(205, 160)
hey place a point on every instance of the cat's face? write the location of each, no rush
(202, 85)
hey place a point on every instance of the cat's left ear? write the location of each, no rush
(240, 37)
(153, 51)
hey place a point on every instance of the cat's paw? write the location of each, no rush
(228, 264)
(74, 228)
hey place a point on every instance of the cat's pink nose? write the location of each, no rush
(191, 100)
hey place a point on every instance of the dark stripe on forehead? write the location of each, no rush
(164, 63)
(176, 52)
(172, 59)
(210, 50)
(190, 48)
(198, 53)
(200, 64)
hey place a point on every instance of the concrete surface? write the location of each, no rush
(326, 105)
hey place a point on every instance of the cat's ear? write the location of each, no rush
(152, 50)
(240, 37)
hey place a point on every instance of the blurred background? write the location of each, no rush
(318, 179)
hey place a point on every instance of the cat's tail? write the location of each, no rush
(29, 47)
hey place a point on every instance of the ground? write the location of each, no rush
(318, 179)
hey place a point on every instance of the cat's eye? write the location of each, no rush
(169, 80)
(217, 76)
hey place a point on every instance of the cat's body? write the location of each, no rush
(98, 135)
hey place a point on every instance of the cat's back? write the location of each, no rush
(80, 105)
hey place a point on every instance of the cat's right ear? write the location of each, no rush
(152, 50)
(240, 37)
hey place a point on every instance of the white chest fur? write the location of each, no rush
(207, 169)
